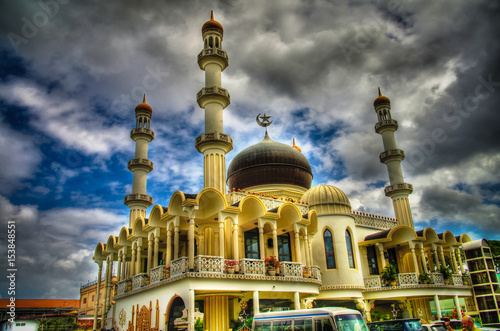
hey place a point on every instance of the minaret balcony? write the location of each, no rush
(386, 125)
(142, 133)
(138, 197)
(403, 188)
(213, 94)
(214, 137)
(143, 164)
(210, 55)
(392, 155)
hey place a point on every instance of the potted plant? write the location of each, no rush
(446, 273)
(306, 272)
(272, 264)
(167, 272)
(424, 278)
(230, 266)
(389, 274)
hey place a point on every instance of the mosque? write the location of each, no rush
(271, 241)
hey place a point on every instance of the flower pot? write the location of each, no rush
(230, 270)
(393, 283)
(167, 274)
(147, 281)
(306, 274)
(271, 272)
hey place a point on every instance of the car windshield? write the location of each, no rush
(351, 322)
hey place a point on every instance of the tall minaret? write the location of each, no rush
(213, 143)
(398, 191)
(140, 166)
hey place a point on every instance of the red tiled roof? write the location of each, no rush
(42, 303)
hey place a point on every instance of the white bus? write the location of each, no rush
(317, 319)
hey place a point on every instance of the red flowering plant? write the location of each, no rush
(272, 262)
(230, 263)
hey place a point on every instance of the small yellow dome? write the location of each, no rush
(144, 106)
(380, 99)
(212, 24)
(327, 199)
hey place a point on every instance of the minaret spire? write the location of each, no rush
(398, 190)
(214, 144)
(140, 166)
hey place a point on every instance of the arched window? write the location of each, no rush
(350, 251)
(329, 252)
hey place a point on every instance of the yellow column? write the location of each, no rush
(454, 259)
(436, 258)
(156, 249)
(191, 310)
(96, 308)
(441, 255)
(169, 247)
(424, 260)
(150, 255)
(256, 308)
(298, 257)
(275, 244)
(132, 263)
(296, 300)
(138, 265)
(414, 258)
(306, 250)
(381, 253)
(191, 244)
(235, 242)
(106, 282)
(176, 242)
(217, 312)
(119, 269)
(261, 243)
(221, 237)
(460, 261)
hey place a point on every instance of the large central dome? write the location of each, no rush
(269, 162)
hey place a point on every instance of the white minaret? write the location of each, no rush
(213, 143)
(398, 191)
(140, 166)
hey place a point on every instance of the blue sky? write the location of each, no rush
(72, 74)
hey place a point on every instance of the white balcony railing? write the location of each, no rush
(437, 278)
(122, 286)
(157, 274)
(293, 269)
(206, 263)
(372, 282)
(179, 266)
(410, 278)
(139, 280)
(316, 272)
(457, 279)
(252, 267)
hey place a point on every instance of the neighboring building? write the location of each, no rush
(29, 312)
(88, 297)
(330, 255)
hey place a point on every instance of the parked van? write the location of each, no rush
(409, 324)
(317, 319)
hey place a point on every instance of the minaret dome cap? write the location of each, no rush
(144, 106)
(380, 99)
(212, 24)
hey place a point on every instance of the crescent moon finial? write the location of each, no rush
(265, 120)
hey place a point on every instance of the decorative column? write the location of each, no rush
(138, 265)
(256, 308)
(298, 256)
(132, 263)
(156, 250)
(262, 248)
(424, 260)
(436, 257)
(275, 244)
(235, 241)
(306, 250)
(414, 258)
(191, 310)
(460, 261)
(398, 190)
(221, 237)
(454, 260)
(213, 143)
(381, 253)
(441, 255)
(150, 255)
(438, 307)
(176, 242)
(457, 305)
(296, 300)
(96, 308)
(119, 268)
(191, 210)
(169, 248)
(140, 166)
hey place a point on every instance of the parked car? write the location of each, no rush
(433, 327)
(457, 325)
(409, 324)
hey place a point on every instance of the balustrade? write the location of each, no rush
(410, 278)
(207, 263)
(456, 279)
(179, 266)
(252, 267)
(293, 269)
(372, 282)
(437, 278)
(139, 280)
(122, 286)
(157, 274)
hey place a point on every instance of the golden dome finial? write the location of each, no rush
(212, 24)
(144, 99)
(379, 93)
(212, 15)
(380, 99)
(295, 146)
(144, 106)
